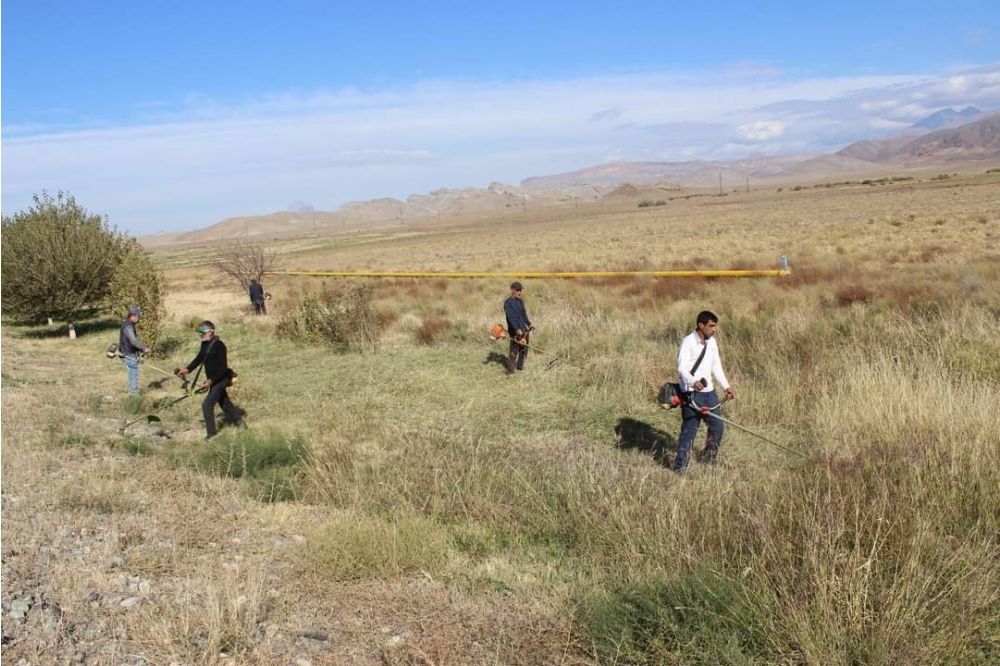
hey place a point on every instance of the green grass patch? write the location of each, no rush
(270, 462)
(353, 546)
(699, 618)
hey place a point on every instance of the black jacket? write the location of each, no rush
(128, 342)
(213, 355)
(517, 315)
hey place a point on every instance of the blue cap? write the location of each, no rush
(135, 310)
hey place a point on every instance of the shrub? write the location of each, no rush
(343, 318)
(58, 259)
(431, 328)
(136, 281)
(850, 294)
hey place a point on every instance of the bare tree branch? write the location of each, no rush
(244, 262)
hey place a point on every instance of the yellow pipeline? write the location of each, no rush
(711, 273)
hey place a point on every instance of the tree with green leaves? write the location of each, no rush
(137, 281)
(61, 261)
(58, 259)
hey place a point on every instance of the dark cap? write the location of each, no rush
(135, 310)
(516, 286)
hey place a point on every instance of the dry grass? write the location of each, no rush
(444, 513)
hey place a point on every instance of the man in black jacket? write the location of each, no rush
(257, 297)
(518, 327)
(218, 377)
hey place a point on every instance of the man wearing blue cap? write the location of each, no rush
(218, 377)
(129, 346)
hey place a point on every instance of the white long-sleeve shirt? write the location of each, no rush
(711, 365)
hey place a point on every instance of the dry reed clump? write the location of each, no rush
(431, 328)
(848, 295)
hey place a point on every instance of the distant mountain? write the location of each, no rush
(976, 141)
(949, 117)
(387, 212)
(699, 173)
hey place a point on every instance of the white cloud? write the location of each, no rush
(199, 160)
(762, 130)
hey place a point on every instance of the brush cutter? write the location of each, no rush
(675, 398)
(114, 352)
(498, 332)
(189, 390)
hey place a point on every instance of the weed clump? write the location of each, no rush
(343, 318)
(701, 618)
(271, 462)
(432, 327)
(352, 547)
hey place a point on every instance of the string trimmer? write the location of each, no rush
(678, 399)
(114, 352)
(189, 390)
(498, 333)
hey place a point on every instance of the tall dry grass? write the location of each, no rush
(877, 361)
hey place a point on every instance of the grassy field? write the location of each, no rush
(413, 504)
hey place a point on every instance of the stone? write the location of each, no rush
(314, 634)
(398, 639)
(19, 609)
(130, 602)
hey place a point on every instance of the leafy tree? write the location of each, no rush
(58, 259)
(137, 281)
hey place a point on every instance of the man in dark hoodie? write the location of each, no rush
(218, 377)
(518, 327)
(129, 347)
(257, 297)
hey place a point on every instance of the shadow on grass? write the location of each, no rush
(494, 357)
(634, 434)
(84, 327)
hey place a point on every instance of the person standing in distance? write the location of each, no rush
(218, 377)
(518, 327)
(257, 297)
(698, 363)
(129, 346)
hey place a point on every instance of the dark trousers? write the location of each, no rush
(517, 354)
(217, 395)
(692, 418)
(259, 307)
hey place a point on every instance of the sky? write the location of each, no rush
(174, 116)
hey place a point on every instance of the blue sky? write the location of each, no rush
(169, 116)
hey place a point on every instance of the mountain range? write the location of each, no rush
(971, 143)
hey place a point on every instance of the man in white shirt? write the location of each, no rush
(698, 363)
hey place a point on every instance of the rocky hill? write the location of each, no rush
(974, 142)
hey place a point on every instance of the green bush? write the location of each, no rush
(136, 281)
(58, 259)
(343, 318)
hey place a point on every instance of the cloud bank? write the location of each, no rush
(195, 162)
